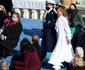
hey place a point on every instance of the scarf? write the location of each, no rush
(14, 23)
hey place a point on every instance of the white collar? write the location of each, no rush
(49, 10)
(61, 16)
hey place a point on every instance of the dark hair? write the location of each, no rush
(17, 14)
(25, 45)
(73, 13)
(74, 6)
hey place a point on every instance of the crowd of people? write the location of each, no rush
(11, 29)
(62, 34)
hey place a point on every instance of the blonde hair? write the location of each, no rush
(78, 61)
(3, 8)
(79, 51)
(4, 65)
(63, 10)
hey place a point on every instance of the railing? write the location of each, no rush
(30, 13)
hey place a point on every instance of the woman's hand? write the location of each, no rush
(69, 41)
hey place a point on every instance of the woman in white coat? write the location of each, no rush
(63, 50)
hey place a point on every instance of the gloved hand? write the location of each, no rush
(66, 64)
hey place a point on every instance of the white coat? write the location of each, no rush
(62, 51)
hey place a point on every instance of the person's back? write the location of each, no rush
(34, 60)
(31, 59)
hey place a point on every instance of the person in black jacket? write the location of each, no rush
(10, 36)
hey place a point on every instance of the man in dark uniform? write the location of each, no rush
(48, 31)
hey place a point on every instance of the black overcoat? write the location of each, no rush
(12, 34)
(49, 33)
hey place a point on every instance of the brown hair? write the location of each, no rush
(62, 9)
(78, 61)
(3, 8)
(25, 45)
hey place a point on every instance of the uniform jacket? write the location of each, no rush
(48, 32)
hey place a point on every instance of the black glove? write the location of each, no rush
(66, 64)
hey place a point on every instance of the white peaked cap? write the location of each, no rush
(50, 1)
(57, 1)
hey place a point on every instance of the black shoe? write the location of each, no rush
(43, 62)
(66, 64)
